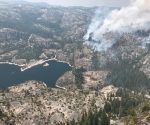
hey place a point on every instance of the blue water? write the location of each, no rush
(11, 74)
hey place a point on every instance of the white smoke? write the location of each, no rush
(146, 42)
(97, 21)
(134, 17)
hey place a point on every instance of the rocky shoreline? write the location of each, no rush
(28, 66)
(52, 102)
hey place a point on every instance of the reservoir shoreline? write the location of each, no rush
(48, 71)
(38, 62)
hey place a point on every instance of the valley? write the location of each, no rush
(51, 75)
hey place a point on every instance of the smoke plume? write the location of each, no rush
(134, 17)
(98, 20)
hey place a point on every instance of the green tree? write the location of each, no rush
(95, 61)
(127, 75)
(107, 107)
(105, 119)
(79, 78)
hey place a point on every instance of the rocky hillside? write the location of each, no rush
(33, 32)
(33, 103)
(55, 30)
(46, 21)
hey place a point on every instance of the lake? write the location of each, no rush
(11, 74)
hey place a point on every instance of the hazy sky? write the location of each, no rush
(85, 2)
